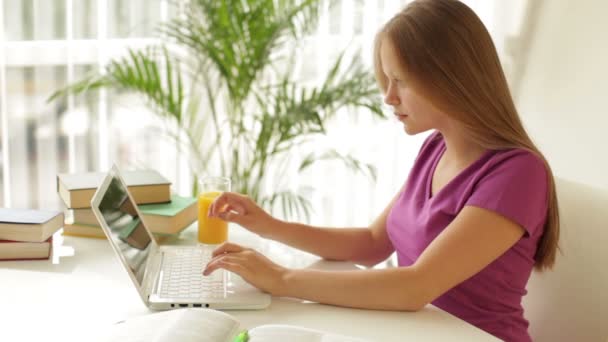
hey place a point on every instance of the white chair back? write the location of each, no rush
(570, 303)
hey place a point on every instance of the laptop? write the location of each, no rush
(166, 277)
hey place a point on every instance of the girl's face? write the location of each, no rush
(415, 112)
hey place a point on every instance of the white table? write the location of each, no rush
(83, 290)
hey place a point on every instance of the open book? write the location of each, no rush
(206, 325)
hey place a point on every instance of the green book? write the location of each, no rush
(135, 235)
(171, 217)
(95, 231)
(172, 208)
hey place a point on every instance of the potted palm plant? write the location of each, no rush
(222, 75)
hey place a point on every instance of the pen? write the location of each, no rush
(242, 337)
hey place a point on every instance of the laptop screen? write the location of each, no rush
(126, 229)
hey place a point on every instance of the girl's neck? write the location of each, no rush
(460, 151)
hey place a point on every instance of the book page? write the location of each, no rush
(184, 325)
(279, 333)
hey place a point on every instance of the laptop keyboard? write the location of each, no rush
(182, 275)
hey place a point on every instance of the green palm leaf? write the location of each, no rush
(223, 73)
(349, 161)
(139, 71)
(291, 203)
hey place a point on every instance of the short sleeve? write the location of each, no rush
(516, 188)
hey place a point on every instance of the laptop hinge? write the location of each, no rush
(151, 273)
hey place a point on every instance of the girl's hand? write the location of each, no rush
(237, 208)
(252, 266)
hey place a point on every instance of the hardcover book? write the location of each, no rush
(83, 216)
(19, 250)
(162, 218)
(135, 235)
(147, 186)
(172, 217)
(93, 231)
(29, 225)
(83, 230)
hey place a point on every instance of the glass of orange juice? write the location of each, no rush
(211, 231)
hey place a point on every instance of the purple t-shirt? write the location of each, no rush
(512, 183)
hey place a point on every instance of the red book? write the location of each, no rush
(18, 250)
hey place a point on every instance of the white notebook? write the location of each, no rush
(205, 325)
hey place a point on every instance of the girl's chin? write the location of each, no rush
(410, 130)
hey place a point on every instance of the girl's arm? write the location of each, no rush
(367, 246)
(473, 240)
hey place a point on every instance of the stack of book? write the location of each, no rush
(27, 233)
(164, 214)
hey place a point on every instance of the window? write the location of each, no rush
(46, 44)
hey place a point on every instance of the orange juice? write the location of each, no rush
(210, 230)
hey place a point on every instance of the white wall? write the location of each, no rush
(562, 99)
(564, 92)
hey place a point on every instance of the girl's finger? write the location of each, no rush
(235, 268)
(234, 207)
(229, 264)
(227, 247)
(227, 203)
(233, 257)
(219, 202)
(232, 216)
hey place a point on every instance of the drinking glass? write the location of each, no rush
(211, 230)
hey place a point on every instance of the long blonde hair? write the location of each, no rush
(449, 57)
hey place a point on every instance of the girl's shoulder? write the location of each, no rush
(517, 159)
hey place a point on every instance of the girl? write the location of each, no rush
(477, 213)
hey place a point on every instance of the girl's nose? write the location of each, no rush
(391, 98)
